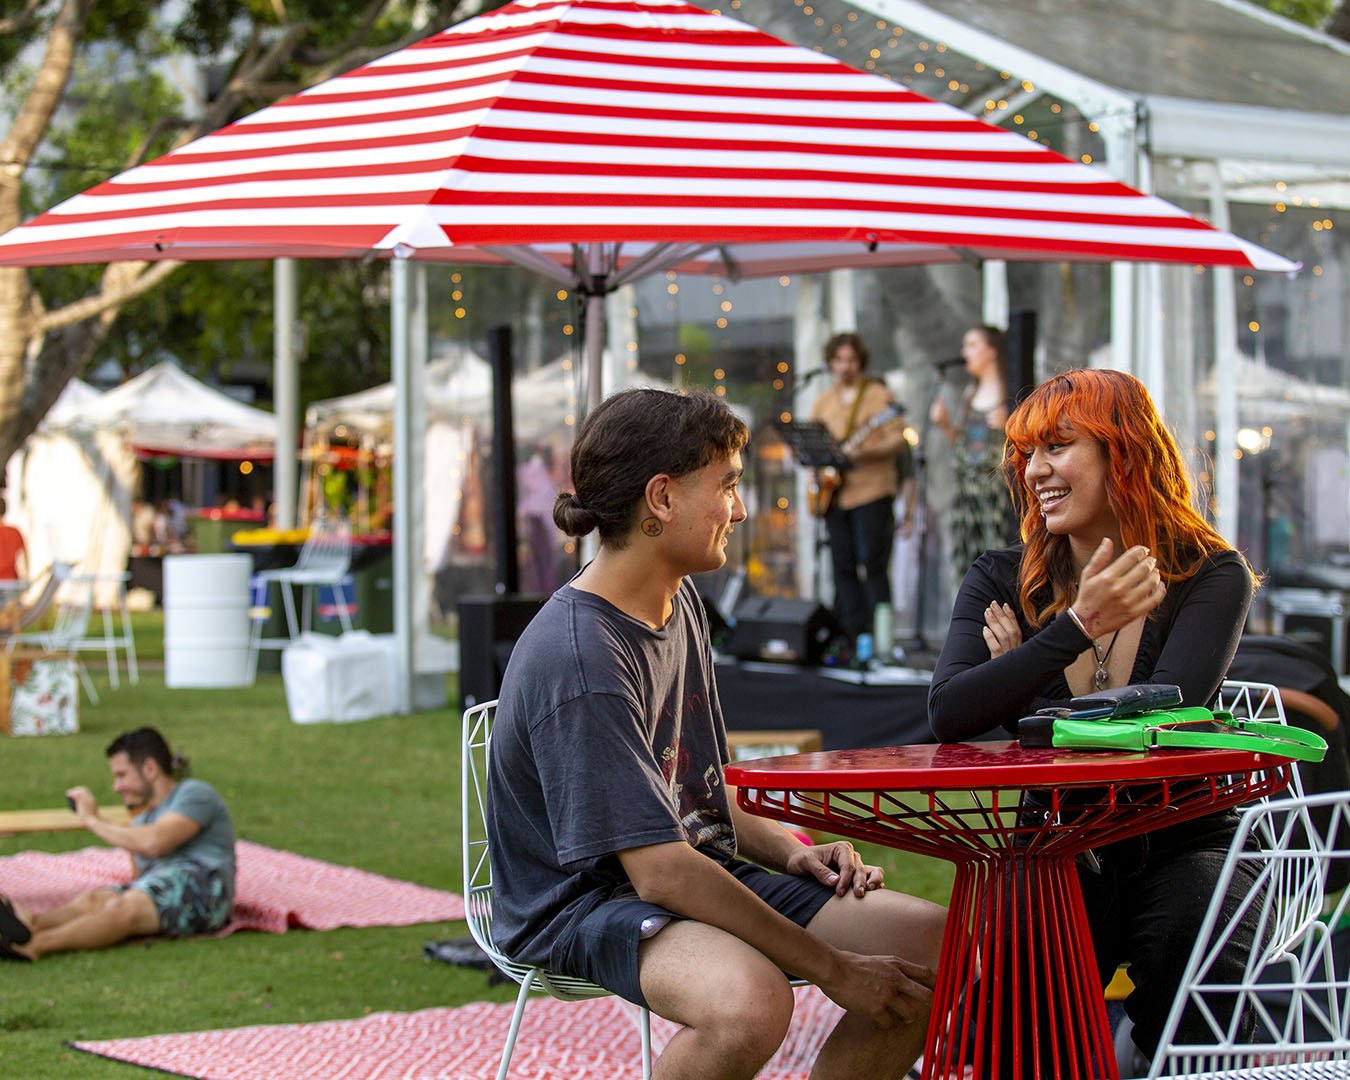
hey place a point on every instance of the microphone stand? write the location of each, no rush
(921, 508)
(925, 512)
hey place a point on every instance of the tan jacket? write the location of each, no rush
(873, 475)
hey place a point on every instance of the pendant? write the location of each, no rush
(1099, 678)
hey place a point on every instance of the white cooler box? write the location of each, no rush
(337, 678)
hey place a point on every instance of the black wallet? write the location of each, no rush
(1125, 701)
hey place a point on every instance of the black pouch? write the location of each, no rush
(1125, 701)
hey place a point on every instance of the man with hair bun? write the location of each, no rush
(181, 842)
(617, 854)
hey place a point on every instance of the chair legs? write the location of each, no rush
(644, 1023)
(86, 681)
(343, 606)
(288, 602)
(514, 1029)
(133, 673)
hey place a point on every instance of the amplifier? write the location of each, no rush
(787, 631)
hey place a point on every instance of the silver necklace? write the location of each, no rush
(1101, 676)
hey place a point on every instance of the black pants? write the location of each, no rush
(1145, 908)
(860, 551)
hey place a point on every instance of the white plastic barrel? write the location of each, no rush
(206, 625)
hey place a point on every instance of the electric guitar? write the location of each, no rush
(824, 483)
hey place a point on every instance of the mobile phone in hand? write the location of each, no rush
(71, 803)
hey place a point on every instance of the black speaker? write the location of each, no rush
(782, 630)
(1020, 356)
(488, 629)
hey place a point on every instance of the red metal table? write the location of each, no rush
(1016, 900)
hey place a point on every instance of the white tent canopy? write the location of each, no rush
(166, 410)
(457, 376)
(72, 483)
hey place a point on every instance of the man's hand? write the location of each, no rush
(85, 804)
(836, 865)
(889, 989)
(1115, 592)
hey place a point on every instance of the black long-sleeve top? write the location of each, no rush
(1189, 641)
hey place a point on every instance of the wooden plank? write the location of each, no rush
(773, 743)
(13, 822)
(757, 744)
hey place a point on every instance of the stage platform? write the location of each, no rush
(887, 706)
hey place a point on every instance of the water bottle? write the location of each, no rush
(862, 652)
(883, 629)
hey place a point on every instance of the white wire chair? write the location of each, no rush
(21, 618)
(475, 744)
(325, 559)
(1251, 701)
(1295, 988)
(112, 639)
(69, 628)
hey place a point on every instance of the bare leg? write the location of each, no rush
(80, 906)
(881, 923)
(126, 915)
(735, 1005)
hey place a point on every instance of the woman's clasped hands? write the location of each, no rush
(1111, 593)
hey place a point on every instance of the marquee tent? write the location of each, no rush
(73, 480)
(165, 410)
(597, 141)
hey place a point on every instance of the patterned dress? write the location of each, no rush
(982, 514)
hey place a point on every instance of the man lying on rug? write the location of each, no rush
(181, 842)
(616, 853)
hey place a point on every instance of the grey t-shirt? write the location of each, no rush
(212, 847)
(608, 736)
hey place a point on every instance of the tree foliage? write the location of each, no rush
(91, 98)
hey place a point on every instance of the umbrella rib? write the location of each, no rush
(660, 257)
(531, 259)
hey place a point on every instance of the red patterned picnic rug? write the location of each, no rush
(273, 890)
(559, 1040)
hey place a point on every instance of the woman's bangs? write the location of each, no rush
(1041, 419)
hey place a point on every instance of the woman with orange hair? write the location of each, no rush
(1118, 580)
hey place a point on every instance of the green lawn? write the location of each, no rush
(382, 795)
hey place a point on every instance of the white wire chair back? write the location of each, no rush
(1295, 988)
(72, 615)
(475, 745)
(29, 616)
(1257, 701)
(327, 549)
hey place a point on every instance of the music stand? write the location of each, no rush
(813, 445)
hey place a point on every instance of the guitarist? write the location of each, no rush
(859, 504)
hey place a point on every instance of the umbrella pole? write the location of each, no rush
(595, 286)
(401, 372)
(285, 392)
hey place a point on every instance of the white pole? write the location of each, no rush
(419, 586)
(994, 304)
(404, 508)
(809, 333)
(1225, 374)
(285, 392)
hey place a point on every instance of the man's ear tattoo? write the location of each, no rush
(652, 526)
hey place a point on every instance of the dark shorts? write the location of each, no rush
(190, 899)
(604, 947)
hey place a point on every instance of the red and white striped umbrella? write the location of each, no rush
(673, 136)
